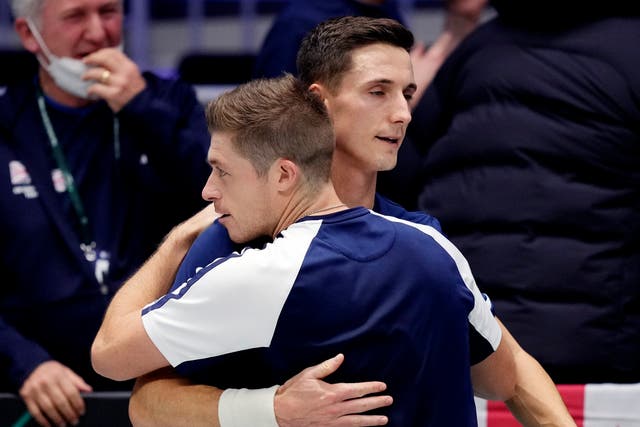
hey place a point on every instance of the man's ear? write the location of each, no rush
(321, 92)
(29, 42)
(286, 174)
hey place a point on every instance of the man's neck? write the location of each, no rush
(354, 186)
(54, 92)
(302, 204)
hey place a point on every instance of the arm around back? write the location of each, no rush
(495, 377)
(163, 399)
(513, 376)
(122, 349)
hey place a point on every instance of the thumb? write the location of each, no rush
(325, 368)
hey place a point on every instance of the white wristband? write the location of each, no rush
(247, 408)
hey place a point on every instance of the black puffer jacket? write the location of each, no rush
(531, 141)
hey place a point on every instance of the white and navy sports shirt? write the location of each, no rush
(394, 296)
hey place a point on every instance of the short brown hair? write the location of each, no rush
(276, 118)
(325, 53)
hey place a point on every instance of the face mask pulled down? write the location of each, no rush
(66, 72)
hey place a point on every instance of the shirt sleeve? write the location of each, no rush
(231, 305)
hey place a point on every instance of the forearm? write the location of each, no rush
(536, 401)
(163, 398)
(122, 349)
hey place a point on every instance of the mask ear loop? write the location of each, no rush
(40, 40)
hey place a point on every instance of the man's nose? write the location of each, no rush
(210, 191)
(95, 28)
(401, 111)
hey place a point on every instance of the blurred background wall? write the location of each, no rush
(159, 33)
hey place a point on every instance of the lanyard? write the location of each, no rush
(88, 244)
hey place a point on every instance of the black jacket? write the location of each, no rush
(531, 144)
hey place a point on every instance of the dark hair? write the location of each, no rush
(277, 118)
(325, 53)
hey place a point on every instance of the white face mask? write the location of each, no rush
(66, 71)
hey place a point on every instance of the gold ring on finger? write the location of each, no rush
(104, 78)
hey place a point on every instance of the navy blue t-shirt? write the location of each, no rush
(394, 296)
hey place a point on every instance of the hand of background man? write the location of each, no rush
(462, 17)
(469, 9)
(52, 394)
(118, 78)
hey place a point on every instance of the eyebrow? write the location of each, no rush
(217, 163)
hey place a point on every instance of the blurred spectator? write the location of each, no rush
(98, 163)
(280, 47)
(531, 141)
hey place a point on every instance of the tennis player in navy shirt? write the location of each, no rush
(332, 279)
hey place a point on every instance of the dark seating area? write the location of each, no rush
(215, 68)
(171, 9)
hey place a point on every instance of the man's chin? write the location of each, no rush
(241, 239)
(387, 166)
(238, 240)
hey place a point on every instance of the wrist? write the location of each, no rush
(247, 408)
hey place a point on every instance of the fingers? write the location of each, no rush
(36, 413)
(50, 406)
(364, 404)
(66, 405)
(470, 9)
(359, 421)
(346, 391)
(118, 79)
(52, 394)
(307, 397)
(109, 58)
(103, 65)
(71, 390)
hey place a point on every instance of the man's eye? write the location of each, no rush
(221, 173)
(377, 92)
(74, 17)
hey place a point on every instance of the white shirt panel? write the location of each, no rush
(235, 305)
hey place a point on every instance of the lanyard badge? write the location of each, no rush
(88, 245)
